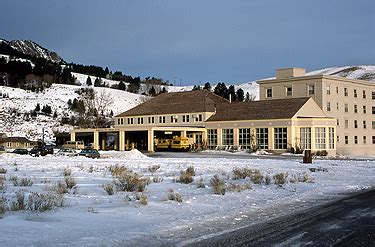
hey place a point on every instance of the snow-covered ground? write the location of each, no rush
(92, 217)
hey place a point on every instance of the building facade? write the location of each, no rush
(351, 102)
(209, 120)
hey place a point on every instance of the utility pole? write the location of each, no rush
(43, 136)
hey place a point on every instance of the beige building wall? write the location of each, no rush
(349, 101)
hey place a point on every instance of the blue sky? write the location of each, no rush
(197, 41)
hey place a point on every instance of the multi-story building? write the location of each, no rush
(350, 101)
(207, 119)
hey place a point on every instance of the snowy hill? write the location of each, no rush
(14, 122)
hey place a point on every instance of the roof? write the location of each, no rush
(258, 110)
(15, 139)
(180, 102)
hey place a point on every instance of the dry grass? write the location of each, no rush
(280, 178)
(43, 202)
(109, 188)
(67, 172)
(238, 187)
(2, 183)
(218, 185)
(70, 182)
(129, 181)
(60, 188)
(157, 179)
(185, 177)
(3, 170)
(21, 181)
(174, 196)
(19, 202)
(153, 168)
(117, 170)
(200, 183)
(142, 198)
(2, 206)
(191, 170)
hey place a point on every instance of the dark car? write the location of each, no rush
(38, 150)
(20, 151)
(49, 148)
(90, 153)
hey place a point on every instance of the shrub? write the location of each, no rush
(2, 206)
(142, 198)
(217, 185)
(3, 170)
(2, 183)
(280, 178)
(70, 182)
(43, 202)
(14, 180)
(129, 181)
(108, 188)
(240, 173)
(173, 196)
(267, 179)
(256, 176)
(238, 187)
(200, 183)
(67, 172)
(185, 177)
(153, 168)
(191, 170)
(61, 188)
(157, 179)
(21, 182)
(19, 203)
(117, 170)
(321, 153)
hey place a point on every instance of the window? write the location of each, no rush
(185, 118)
(373, 139)
(373, 124)
(346, 139)
(140, 120)
(346, 108)
(320, 137)
(337, 90)
(373, 95)
(355, 93)
(346, 123)
(269, 93)
(355, 109)
(122, 121)
(118, 121)
(355, 139)
(364, 124)
(262, 138)
(355, 124)
(310, 89)
(331, 138)
(151, 120)
(338, 139)
(288, 91)
(161, 119)
(227, 136)
(281, 138)
(364, 109)
(373, 110)
(130, 120)
(212, 138)
(328, 89)
(328, 106)
(364, 140)
(245, 138)
(305, 138)
(200, 117)
(364, 94)
(337, 106)
(345, 91)
(337, 122)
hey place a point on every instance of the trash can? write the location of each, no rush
(307, 157)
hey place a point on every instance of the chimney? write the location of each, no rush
(289, 72)
(230, 98)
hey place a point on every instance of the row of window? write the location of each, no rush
(355, 139)
(248, 140)
(346, 92)
(160, 119)
(355, 124)
(311, 91)
(346, 108)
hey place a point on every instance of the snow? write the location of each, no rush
(92, 217)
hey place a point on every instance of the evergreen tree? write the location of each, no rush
(122, 86)
(196, 87)
(232, 93)
(221, 90)
(106, 71)
(240, 94)
(55, 114)
(152, 91)
(88, 81)
(37, 107)
(98, 82)
(207, 86)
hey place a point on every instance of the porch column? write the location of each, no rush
(122, 140)
(313, 137)
(96, 139)
(220, 136)
(150, 140)
(72, 136)
(236, 137)
(271, 138)
(183, 133)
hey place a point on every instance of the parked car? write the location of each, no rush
(70, 152)
(2, 149)
(38, 150)
(49, 148)
(90, 153)
(20, 151)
